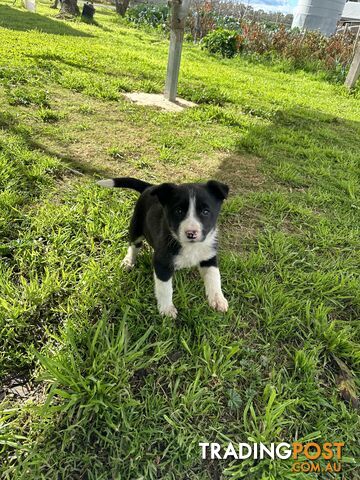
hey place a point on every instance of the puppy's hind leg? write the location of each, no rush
(136, 237)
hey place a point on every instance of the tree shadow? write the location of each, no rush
(86, 68)
(15, 19)
(299, 147)
(290, 174)
(58, 58)
(304, 218)
(10, 123)
(95, 23)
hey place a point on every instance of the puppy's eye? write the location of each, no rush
(205, 211)
(179, 211)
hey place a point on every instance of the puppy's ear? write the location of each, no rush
(218, 189)
(164, 192)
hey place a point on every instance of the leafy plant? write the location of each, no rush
(25, 96)
(152, 15)
(48, 115)
(225, 42)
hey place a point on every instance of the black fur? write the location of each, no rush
(212, 262)
(161, 208)
(179, 222)
(132, 183)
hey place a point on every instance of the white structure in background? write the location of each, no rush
(322, 15)
(30, 5)
(351, 15)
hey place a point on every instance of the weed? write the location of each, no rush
(48, 115)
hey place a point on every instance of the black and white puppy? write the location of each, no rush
(179, 222)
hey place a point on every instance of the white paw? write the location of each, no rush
(127, 263)
(219, 302)
(168, 311)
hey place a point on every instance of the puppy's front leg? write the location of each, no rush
(212, 280)
(163, 289)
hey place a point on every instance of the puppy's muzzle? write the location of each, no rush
(192, 234)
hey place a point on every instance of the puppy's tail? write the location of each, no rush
(125, 182)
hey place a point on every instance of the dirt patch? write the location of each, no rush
(89, 130)
(104, 138)
(242, 173)
(20, 389)
(239, 231)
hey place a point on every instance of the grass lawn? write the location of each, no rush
(94, 383)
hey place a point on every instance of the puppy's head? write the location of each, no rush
(191, 209)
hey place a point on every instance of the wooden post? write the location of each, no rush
(179, 12)
(354, 71)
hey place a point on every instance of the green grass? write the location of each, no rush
(116, 391)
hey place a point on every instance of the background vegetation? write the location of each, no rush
(266, 41)
(94, 384)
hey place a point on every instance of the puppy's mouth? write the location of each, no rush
(193, 236)
(198, 239)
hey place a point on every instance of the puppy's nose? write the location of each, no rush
(191, 234)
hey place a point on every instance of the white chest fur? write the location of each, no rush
(191, 254)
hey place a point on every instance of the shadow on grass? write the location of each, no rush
(86, 68)
(299, 147)
(15, 19)
(94, 23)
(296, 172)
(57, 58)
(10, 123)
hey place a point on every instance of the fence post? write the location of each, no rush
(179, 12)
(354, 71)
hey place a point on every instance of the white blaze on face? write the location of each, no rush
(191, 223)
